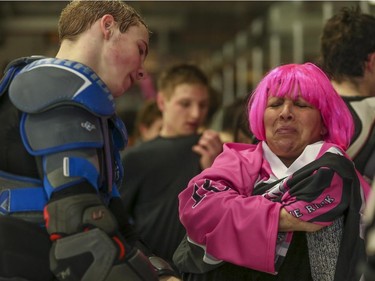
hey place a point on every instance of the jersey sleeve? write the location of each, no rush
(219, 214)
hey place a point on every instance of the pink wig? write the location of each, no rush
(309, 82)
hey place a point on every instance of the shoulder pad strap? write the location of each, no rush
(47, 83)
(23, 197)
(120, 134)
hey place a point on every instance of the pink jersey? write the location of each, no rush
(222, 214)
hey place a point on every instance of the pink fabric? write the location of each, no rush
(234, 226)
(231, 224)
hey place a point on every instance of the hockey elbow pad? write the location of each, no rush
(87, 245)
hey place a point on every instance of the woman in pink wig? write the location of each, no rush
(288, 207)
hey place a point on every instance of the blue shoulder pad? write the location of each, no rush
(120, 134)
(120, 140)
(67, 146)
(52, 132)
(45, 83)
(12, 69)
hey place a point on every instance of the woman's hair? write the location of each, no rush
(310, 83)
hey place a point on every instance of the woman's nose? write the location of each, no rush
(286, 112)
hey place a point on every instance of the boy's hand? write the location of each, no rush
(208, 147)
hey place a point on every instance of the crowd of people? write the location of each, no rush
(283, 192)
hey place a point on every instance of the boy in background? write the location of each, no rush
(156, 171)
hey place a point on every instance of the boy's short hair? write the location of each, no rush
(346, 41)
(181, 74)
(80, 15)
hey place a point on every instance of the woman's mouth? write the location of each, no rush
(285, 130)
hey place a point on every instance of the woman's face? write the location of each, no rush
(290, 126)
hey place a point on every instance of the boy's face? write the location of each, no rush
(185, 111)
(123, 56)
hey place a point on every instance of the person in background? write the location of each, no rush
(148, 122)
(347, 55)
(216, 101)
(288, 207)
(236, 123)
(128, 116)
(369, 218)
(241, 132)
(157, 170)
(61, 214)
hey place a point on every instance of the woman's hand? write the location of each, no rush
(287, 222)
